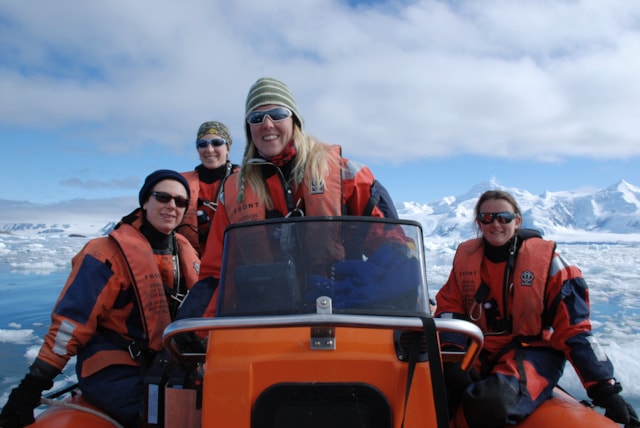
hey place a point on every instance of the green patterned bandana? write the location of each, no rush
(214, 128)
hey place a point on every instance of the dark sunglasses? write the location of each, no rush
(503, 217)
(165, 198)
(215, 142)
(275, 114)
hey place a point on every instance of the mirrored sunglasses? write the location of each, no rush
(215, 142)
(165, 198)
(503, 217)
(275, 114)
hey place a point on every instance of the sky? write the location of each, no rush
(433, 96)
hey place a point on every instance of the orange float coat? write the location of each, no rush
(117, 283)
(545, 291)
(347, 191)
(204, 197)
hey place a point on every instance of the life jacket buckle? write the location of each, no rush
(212, 205)
(134, 350)
(178, 297)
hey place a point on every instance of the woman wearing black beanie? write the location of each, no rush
(122, 292)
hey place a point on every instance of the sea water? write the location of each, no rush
(32, 276)
(26, 300)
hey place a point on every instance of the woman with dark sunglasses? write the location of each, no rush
(213, 143)
(285, 172)
(122, 292)
(533, 307)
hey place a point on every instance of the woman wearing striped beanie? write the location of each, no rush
(286, 172)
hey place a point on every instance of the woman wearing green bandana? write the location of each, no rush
(213, 143)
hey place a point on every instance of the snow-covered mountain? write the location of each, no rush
(611, 214)
(601, 215)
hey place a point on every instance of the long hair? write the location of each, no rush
(311, 164)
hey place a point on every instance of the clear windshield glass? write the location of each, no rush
(364, 265)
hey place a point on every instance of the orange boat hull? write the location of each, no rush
(64, 416)
(244, 365)
(241, 365)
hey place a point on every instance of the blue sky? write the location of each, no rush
(434, 96)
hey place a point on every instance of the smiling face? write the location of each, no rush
(165, 217)
(212, 156)
(497, 233)
(271, 137)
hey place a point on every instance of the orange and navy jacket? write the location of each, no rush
(117, 283)
(201, 191)
(347, 191)
(548, 303)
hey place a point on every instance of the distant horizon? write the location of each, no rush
(89, 217)
(490, 182)
(425, 183)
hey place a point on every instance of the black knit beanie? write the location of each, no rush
(157, 176)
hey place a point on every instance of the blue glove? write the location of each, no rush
(385, 275)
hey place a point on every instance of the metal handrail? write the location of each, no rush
(192, 325)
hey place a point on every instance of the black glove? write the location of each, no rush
(607, 395)
(456, 381)
(18, 411)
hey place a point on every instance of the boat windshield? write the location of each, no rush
(352, 265)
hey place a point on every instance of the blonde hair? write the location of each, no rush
(311, 164)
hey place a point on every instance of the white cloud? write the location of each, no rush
(528, 79)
